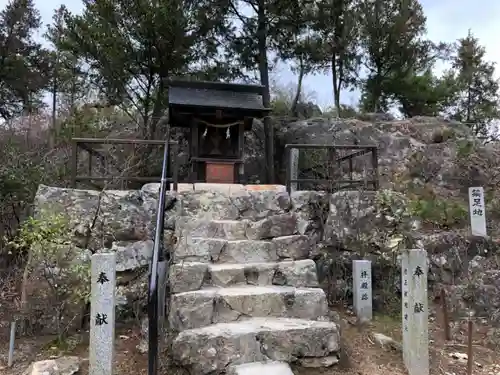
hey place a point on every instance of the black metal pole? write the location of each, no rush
(158, 255)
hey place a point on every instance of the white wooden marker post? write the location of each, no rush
(294, 168)
(477, 211)
(102, 318)
(416, 345)
(362, 289)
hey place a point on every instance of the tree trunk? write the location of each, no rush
(469, 101)
(154, 127)
(336, 84)
(54, 132)
(377, 91)
(264, 80)
(72, 98)
(299, 90)
(151, 123)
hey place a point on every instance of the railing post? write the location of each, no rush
(90, 165)
(288, 169)
(167, 166)
(74, 172)
(331, 166)
(175, 176)
(375, 168)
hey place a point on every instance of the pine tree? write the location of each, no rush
(69, 86)
(133, 47)
(253, 37)
(393, 47)
(298, 44)
(24, 64)
(421, 94)
(337, 26)
(267, 27)
(476, 97)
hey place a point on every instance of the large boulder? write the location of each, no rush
(58, 366)
(97, 219)
(368, 222)
(376, 226)
(107, 221)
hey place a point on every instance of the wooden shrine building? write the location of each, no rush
(217, 115)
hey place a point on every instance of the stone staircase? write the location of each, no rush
(246, 298)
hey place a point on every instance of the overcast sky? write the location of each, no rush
(447, 20)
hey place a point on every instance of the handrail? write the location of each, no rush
(158, 256)
(323, 146)
(88, 145)
(339, 183)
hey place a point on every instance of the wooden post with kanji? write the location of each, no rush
(477, 212)
(362, 289)
(415, 311)
(102, 310)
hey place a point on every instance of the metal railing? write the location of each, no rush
(158, 273)
(88, 145)
(333, 176)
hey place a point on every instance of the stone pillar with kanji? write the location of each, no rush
(415, 312)
(362, 289)
(102, 310)
(477, 212)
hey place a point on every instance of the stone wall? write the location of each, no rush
(123, 222)
(366, 225)
(337, 229)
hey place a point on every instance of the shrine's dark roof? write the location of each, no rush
(216, 95)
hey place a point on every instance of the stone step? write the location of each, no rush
(233, 203)
(299, 273)
(279, 225)
(214, 348)
(189, 276)
(154, 188)
(218, 250)
(186, 226)
(224, 305)
(261, 368)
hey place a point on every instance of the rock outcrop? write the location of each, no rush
(280, 236)
(428, 164)
(441, 154)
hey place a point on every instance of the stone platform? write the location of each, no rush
(223, 188)
(260, 368)
(245, 290)
(246, 297)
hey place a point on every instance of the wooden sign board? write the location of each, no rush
(221, 173)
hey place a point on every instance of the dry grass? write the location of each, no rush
(366, 357)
